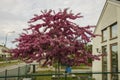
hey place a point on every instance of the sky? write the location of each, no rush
(14, 14)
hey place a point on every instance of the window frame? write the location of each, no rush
(111, 37)
(113, 44)
(103, 75)
(103, 34)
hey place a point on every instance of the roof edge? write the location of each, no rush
(101, 15)
(116, 3)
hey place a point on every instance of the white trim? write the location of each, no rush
(101, 15)
(114, 2)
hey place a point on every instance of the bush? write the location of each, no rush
(1, 59)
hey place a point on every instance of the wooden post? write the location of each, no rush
(34, 68)
(18, 73)
(6, 74)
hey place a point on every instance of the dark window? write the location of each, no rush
(104, 62)
(104, 35)
(114, 61)
(113, 31)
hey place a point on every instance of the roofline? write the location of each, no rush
(114, 3)
(3, 47)
(101, 15)
(103, 10)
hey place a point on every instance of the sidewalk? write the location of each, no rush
(12, 66)
(8, 61)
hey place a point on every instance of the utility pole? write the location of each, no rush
(6, 37)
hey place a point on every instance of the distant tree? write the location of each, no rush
(89, 48)
(54, 37)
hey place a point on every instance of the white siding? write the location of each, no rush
(118, 19)
(111, 15)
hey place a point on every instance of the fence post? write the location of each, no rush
(89, 78)
(6, 74)
(26, 71)
(65, 75)
(34, 70)
(18, 73)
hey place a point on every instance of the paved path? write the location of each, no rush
(12, 66)
(9, 61)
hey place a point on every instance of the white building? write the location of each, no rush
(109, 43)
(3, 54)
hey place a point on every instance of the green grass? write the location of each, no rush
(62, 78)
(44, 77)
(1, 59)
(5, 64)
(82, 66)
(50, 78)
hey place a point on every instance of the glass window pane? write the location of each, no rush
(114, 31)
(104, 62)
(104, 35)
(114, 57)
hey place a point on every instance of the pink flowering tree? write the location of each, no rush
(54, 37)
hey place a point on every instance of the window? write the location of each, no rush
(113, 31)
(114, 61)
(104, 35)
(104, 62)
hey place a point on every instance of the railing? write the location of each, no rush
(60, 76)
(13, 74)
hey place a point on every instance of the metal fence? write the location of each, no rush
(53, 76)
(13, 74)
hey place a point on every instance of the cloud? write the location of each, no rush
(14, 14)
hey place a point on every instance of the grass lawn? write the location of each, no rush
(4, 64)
(44, 77)
(62, 78)
(82, 66)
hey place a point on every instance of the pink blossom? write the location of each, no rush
(61, 40)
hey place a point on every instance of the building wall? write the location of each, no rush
(118, 19)
(111, 15)
(2, 53)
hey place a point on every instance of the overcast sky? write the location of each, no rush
(14, 14)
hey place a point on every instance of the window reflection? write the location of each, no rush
(104, 35)
(104, 62)
(113, 31)
(114, 61)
